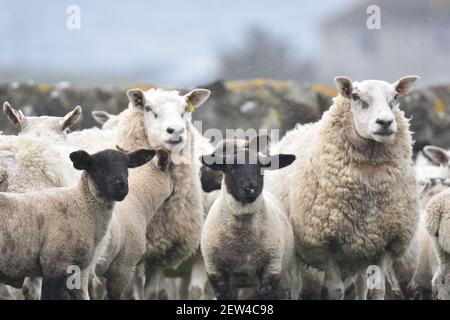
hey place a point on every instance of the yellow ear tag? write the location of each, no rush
(191, 107)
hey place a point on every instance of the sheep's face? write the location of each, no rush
(166, 114)
(441, 284)
(43, 127)
(374, 104)
(244, 171)
(108, 169)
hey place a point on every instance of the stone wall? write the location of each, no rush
(257, 103)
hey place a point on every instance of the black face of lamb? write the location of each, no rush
(245, 182)
(109, 169)
(243, 171)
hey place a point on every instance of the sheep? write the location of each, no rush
(46, 233)
(37, 158)
(52, 129)
(436, 222)
(162, 120)
(247, 239)
(211, 181)
(432, 162)
(95, 139)
(149, 186)
(351, 193)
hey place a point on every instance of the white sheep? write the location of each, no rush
(95, 139)
(351, 193)
(164, 122)
(247, 239)
(51, 232)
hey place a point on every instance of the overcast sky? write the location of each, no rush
(172, 42)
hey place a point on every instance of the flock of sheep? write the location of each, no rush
(103, 213)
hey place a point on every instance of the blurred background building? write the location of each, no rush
(185, 43)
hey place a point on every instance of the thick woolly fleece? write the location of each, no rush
(32, 165)
(347, 197)
(245, 239)
(42, 233)
(438, 221)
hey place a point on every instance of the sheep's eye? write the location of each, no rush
(396, 97)
(186, 110)
(149, 109)
(355, 97)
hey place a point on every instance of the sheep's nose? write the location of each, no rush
(384, 123)
(119, 184)
(171, 130)
(250, 190)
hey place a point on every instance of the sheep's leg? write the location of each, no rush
(119, 278)
(386, 271)
(139, 282)
(270, 287)
(221, 286)
(333, 287)
(199, 280)
(81, 293)
(361, 285)
(55, 289)
(152, 283)
(32, 288)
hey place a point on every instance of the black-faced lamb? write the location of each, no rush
(47, 233)
(247, 240)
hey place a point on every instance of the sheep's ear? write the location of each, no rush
(71, 118)
(139, 157)
(279, 161)
(214, 162)
(197, 97)
(81, 160)
(101, 116)
(437, 155)
(136, 98)
(15, 117)
(260, 143)
(405, 84)
(344, 86)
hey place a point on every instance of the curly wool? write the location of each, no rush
(349, 198)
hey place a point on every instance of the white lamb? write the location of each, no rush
(351, 194)
(174, 232)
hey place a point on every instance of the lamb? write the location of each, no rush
(162, 120)
(351, 194)
(247, 239)
(149, 186)
(48, 232)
